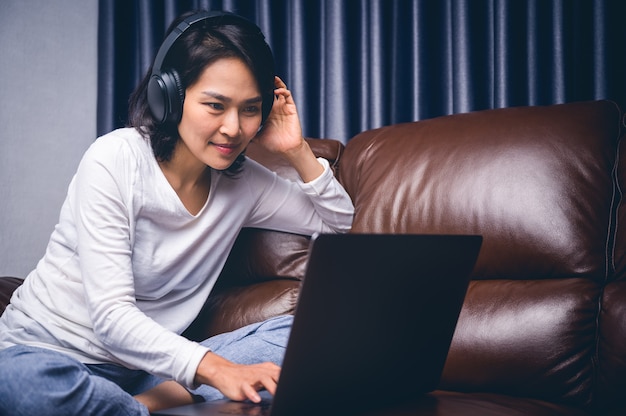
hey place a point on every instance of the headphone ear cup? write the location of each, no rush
(166, 96)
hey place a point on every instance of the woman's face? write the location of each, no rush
(221, 113)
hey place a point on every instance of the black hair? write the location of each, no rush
(199, 46)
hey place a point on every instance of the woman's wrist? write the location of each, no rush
(304, 161)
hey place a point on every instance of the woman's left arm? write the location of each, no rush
(321, 204)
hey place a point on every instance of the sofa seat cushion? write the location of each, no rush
(535, 338)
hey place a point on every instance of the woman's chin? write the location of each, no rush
(221, 164)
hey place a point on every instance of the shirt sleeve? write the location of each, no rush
(321, 205)
(102, 211)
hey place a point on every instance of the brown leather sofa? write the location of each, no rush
(543, 327)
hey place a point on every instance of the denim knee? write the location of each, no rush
(273, 331)
(37, 381)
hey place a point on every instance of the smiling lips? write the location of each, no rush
(225, 148)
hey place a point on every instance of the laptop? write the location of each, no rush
(372, 328)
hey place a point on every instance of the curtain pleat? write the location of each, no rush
(359, 64)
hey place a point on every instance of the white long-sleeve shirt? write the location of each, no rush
(128, 268)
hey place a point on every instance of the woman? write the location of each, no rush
(146, 227)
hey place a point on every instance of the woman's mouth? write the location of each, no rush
(226, 149)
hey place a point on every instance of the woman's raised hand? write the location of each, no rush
(282, 133)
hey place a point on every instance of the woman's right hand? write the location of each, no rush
(237, 381)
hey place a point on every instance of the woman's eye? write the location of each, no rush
(252, 110)
(215, 106)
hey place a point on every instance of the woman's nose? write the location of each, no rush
(230, 123)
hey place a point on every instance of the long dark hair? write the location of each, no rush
(199, 46)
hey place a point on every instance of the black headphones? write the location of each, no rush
(166, 92)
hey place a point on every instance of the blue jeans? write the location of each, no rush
(37, 381)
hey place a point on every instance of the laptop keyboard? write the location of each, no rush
(249, 409)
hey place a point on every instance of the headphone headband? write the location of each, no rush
(186, 24)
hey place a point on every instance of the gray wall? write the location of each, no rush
(48, 78)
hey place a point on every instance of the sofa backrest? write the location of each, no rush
(538, 184)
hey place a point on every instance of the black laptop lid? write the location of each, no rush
(374, 320)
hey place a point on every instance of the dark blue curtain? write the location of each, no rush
(358, 64)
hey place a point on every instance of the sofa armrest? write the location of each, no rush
(7, 287)
(329, 149)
